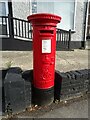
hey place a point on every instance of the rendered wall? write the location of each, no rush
(21, 9)
(79, 21)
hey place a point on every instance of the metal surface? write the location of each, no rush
(21, 28)
(44, 46)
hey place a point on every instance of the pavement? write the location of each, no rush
(65, 61)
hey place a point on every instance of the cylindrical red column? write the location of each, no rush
(44, 46)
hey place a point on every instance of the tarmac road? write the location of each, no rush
(75, 109)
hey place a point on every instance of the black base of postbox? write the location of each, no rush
(42, 97)
(45, 97)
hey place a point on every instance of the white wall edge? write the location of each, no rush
(87, 19)
(75, 14)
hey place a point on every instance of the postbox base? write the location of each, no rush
(42, 97)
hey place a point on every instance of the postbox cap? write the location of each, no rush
(44, 19)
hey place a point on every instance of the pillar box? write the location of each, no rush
(44, 46)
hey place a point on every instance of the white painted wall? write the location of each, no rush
(21, 9)
(79, 21)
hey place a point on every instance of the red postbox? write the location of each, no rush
(44, 46)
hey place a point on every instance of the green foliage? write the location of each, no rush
(9, 64)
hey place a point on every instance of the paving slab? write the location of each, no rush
(65, 60)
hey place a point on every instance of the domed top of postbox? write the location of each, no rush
(44, 19)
